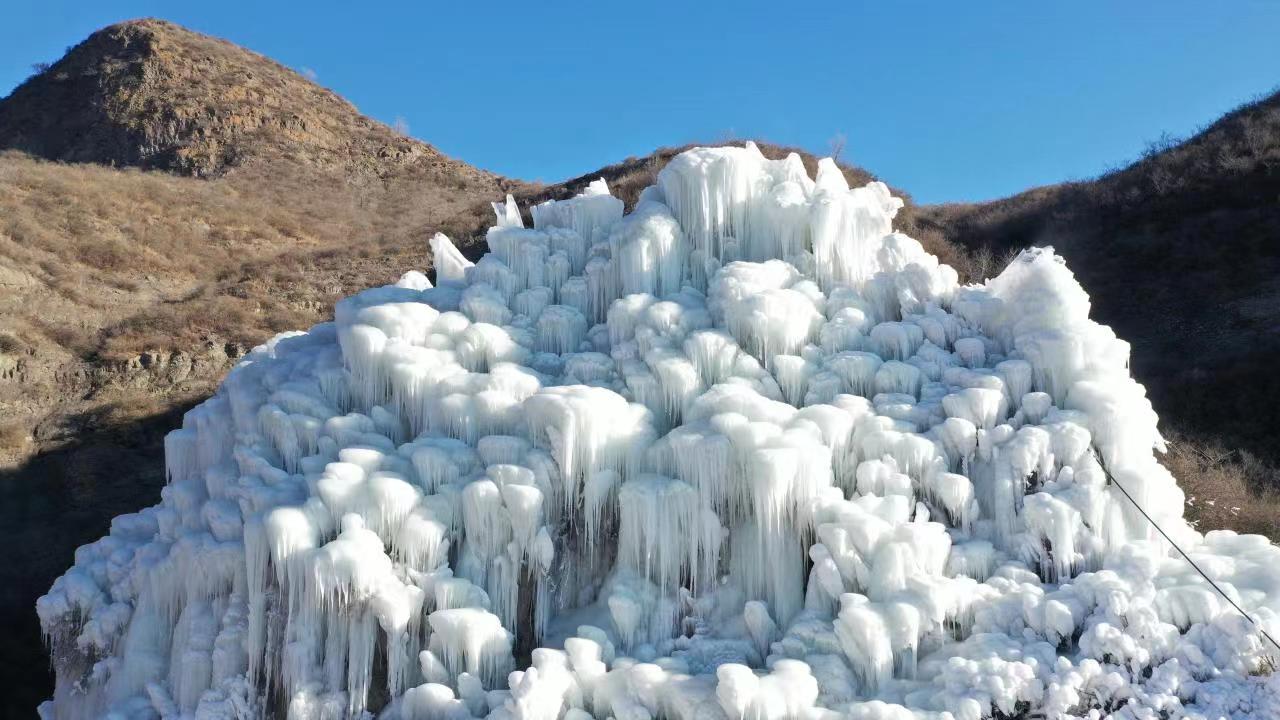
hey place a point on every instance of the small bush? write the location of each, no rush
(1225, 488)
(10, 344)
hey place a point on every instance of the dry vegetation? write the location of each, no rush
(123, 286)
(1225, 487)
(152, 94)
(13, 435)
(107, 264)
(110, 269)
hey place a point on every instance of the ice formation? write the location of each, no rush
(743, 453)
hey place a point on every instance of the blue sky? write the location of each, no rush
(947, 100)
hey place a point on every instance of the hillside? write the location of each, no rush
(1180, 253)
(113, 271)
(151, 94)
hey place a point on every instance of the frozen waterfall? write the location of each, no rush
(744, 453)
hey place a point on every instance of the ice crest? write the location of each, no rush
(743, 453)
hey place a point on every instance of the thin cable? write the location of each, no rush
(1185, 556)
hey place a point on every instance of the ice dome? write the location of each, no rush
(743, 453)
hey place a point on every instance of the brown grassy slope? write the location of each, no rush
(124, 298)
(108, 273)
(1180, 252)
(295, 170)
(105, 271)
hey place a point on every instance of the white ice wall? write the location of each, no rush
(742, 453)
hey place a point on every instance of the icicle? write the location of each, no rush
(451, 266)
(472, 641)
(762, 627)
(508, 213)
(587, 214)
(561, 329)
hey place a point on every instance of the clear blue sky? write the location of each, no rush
(947, 100)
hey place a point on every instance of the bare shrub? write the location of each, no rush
(10, 344)
(1225, 488)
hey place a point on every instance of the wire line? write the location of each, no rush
(1182, 552)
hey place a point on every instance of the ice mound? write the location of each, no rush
(742, 453)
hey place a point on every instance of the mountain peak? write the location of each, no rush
(153, 94)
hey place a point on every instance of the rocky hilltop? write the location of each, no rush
(154, 95)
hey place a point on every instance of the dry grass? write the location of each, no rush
(67, 220)
(1225, 488)
(138, 261)
(13, 435)
(153, 94)
(112, 262)
(11, 345)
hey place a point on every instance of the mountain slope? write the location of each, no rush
(109, 267)
(1180, 254)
